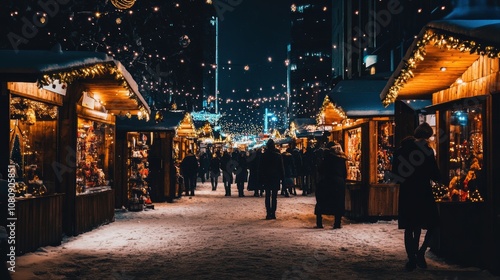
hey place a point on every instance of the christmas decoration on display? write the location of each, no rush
(184, 41)
(123, 4)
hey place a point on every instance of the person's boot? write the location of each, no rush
(336, 224)
(319, 221)
(420, 258)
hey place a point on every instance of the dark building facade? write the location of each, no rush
(309, 56)
(369, 38)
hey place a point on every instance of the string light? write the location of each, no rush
(441, 40)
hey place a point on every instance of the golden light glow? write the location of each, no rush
(443, 41)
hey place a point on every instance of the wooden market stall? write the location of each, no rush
(147, 151)
(60, 107)
(367, 135)
(456, 63)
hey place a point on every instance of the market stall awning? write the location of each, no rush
(106, 78)
(330, 113)
(360, 98)
(176, 121)
(440, 54)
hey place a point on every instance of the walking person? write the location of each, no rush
(189, 171)
(253, 168)
(214, 168)
(299, 168)
(289, 166)
(271, 172)
(414, 166)
(227, 167)
(204, 163)
(241, 173)
(330, 192)
(308, 163)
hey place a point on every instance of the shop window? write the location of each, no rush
(385, 150)
(354, 154)
(466, 154)
(138, 170)
(33, 130)
(94, 156)
(466, 178)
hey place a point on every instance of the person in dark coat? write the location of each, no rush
(241, 173)
(271, 173)
(308, 167)
(299, 168)
(330, 192)
(189, 171)
(414, 166)
(214, 168)
(289, 165)
(253, 161)
(204, 164)
(227, 167)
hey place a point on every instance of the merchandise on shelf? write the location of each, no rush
(93, 150)
(138, 171)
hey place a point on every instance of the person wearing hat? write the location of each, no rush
(414, 166)
(271, 172)
(330, 192)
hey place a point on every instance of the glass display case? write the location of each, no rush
(33, 128)
(353, 151)
(385, 150)
(466, 154)
(94, 156)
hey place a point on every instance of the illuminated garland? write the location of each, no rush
(441, 40)
(93, 71)
(326, 105)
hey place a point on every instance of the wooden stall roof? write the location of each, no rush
(175, 121)
(330, 113)
(360, 98)
(439, 55)
(106, 78)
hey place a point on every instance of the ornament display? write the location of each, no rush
(123, 4)
(184, 41)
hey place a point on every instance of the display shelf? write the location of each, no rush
(138, 172)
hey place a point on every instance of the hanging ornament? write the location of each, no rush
(123, 4)
(184, 41)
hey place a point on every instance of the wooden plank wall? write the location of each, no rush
(39, 222)
(383, 200)
(482, 77)
(93, 210)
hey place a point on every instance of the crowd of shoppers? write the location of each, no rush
(268, 170)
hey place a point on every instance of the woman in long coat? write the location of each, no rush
(241, 173)
(271, 172)
(227, 166)
(414, 166)
(215, 170)
(290, 173)
(253, 168)
(330, 192)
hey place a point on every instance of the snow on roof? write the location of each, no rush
(36, 62)
(41, 61)
(360, 98)
(485, 30)
(171, 121)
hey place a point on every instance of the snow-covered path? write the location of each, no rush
(210, 236)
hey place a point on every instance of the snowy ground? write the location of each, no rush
(210, 236)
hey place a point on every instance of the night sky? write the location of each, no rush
(249, 35)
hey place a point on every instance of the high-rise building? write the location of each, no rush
(369, 38)
(309, 56)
